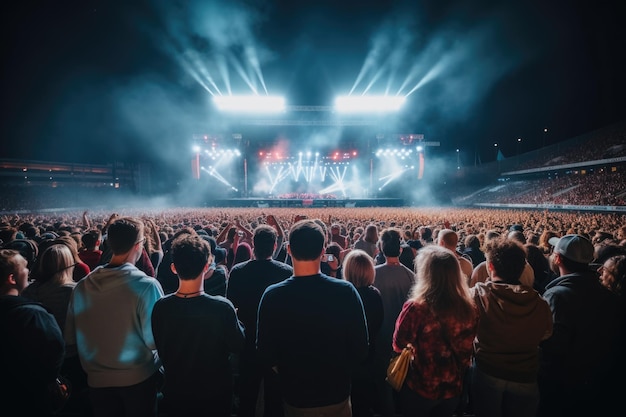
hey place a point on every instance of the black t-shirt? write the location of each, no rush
(246, 283)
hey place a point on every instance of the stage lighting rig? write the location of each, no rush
(250, 104)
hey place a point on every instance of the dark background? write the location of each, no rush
(98, 81)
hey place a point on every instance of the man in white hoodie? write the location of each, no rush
(109, 319)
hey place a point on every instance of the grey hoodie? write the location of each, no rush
(109, 318)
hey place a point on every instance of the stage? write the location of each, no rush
(295, 202)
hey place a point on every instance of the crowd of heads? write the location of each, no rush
(396, 231)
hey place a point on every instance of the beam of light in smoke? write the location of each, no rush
(388, 51)
(323, 173)
(222, 67)
(430, 56)
(250, 73)
(241, 71)
(280, 176)
(330, 189)
(193, 63)
(375, 78)
(373, 58)
(391, 177)
(253, 60)
(269, 174)
(369, 63)
(298, 168)
(194, 74)
(430, 75)
(315, 165)
(338, 176)
(213, 173)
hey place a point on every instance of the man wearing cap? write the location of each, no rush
(576, 360)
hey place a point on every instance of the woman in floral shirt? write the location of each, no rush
(440, 321)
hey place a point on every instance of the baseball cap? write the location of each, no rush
(574, 247)
(516, 228)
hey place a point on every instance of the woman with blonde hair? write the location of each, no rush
(358, 268)
(53, 281)
(52, 286)
(438, 322)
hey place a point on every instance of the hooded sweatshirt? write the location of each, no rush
(514, 319)
(109, 318)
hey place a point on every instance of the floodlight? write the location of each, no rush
(257, 104)
(368, 104)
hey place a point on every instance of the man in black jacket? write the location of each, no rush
(32, 347)
(576, 361)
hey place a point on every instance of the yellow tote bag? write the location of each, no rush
(398, 368)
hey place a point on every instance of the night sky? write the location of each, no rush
(99, 81)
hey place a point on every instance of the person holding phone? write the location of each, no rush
(331, 264)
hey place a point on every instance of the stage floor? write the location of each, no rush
(283, 202)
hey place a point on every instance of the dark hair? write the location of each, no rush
(90, 238)
(407, 257)
(264, 240)
(508, 258)
(123, 234)
(605, 251)
(334, 249)
(390, 242)
(242, 253)
(190, 254)
(211, 240)
(540, 265)
(306, 240)
(471, 241)
(518, 236)
(371, 233)
(426, 233)
(28, 248)
(8, 234)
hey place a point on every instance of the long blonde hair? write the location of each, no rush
(56, 265)
(358, 268)
(440, 283)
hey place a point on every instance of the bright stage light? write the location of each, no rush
(257, 104)
(368, 104)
